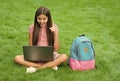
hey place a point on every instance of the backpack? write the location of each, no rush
(82, 55)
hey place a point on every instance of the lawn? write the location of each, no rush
(97, 19)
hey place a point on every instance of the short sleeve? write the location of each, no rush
(31, 28)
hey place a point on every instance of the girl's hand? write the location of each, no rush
(52, 29)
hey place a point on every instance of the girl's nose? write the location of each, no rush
(42, 21)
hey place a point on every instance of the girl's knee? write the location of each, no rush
(17, 58)
(64, 57)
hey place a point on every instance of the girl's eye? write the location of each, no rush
(44, 18)
(39, 18)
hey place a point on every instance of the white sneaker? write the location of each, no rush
(55, 68)
(31, 70)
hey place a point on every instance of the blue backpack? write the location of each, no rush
(82, 55)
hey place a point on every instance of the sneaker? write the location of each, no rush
(55, 68)
(31, 70)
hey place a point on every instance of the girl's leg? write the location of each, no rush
(58, 60)
(20, 60)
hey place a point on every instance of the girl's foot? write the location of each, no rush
(55, 68)
(31, 69)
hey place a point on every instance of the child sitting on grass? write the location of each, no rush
(43, 33)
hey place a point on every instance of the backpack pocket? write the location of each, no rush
(81, 65)
(85, 51)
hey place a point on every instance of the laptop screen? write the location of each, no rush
(38, 53)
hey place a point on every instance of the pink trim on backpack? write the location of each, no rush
(82, 65)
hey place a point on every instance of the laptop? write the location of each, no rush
(38, 53)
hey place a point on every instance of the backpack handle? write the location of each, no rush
(81, 35)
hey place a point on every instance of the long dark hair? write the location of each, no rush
(46, 12)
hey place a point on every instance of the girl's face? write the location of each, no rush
(42, 19)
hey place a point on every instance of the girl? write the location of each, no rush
(43, 33)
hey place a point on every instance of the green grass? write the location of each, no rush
(98, 19)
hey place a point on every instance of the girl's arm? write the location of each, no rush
(31, 27)
(54, 29)
(30, 39)
(56, 41)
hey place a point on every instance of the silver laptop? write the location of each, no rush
(38, 53)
